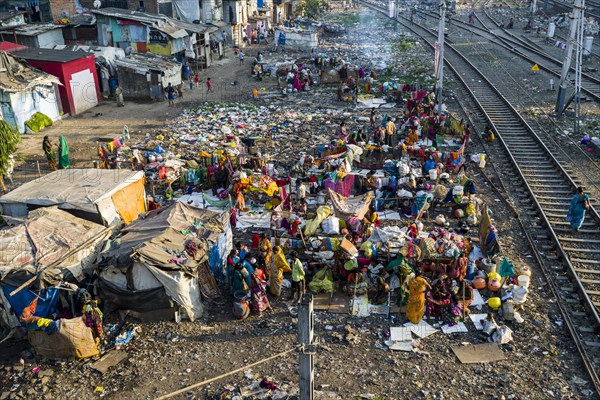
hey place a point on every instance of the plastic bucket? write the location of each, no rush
(587, 45)
(433, 174)
(112, 85)
(551, 29)
(523, 281)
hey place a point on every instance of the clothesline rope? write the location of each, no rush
(216, 378)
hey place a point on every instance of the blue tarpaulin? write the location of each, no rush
(46, 304)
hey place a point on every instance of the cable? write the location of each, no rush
(216, 378)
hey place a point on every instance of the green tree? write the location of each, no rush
(9, 138)
(311, 8)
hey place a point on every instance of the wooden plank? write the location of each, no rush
(108, 360)
(478, 353)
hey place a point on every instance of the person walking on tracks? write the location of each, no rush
(579, 205)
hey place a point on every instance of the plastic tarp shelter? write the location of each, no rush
(50, 244)
(348, 207)
(164, 257)
(99, 195)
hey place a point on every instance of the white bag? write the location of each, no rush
(331, 225)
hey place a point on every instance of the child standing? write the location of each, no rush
(208, 86)
(297, 277)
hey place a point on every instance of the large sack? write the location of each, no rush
(73, 340)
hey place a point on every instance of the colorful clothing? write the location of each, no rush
(415, 308)
(297, 271)
(276, 270)
(577, 210)
(260, 301)
(264, 246)
(50, 154)
(240, 278)
(63, 154)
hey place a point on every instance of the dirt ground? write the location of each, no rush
(541, 362)
(105, 122)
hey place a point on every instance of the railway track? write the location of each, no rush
(525, 50)
(585, 167)
(541, 189)
(568, 6)
(528, 50)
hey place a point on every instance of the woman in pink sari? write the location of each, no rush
(258, 289)
(297, 83)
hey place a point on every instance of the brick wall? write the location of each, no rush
(58, 6)
(150, 6)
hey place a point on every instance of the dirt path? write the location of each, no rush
(106, 121)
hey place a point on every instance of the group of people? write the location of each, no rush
(254, 35)
(262, 272)
(59, 158)
(171, 90)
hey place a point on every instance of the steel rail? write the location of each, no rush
(569, 7)
(548, 158)
(591, 83)
(566, 316)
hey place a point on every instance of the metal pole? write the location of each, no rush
(305, 339)
(578, 65)
(439, 78)
(562, 84)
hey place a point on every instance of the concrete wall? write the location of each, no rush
(89, 95)
(134, 84)
(26, 104)
(50, 39)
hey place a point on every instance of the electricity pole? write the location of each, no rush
(439, 58)
(306, 326)
(576, 20)
(578, 62)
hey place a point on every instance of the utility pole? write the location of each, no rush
(576, 17)
(439, 58)
(306, 325)
(578, 64)
(533, 7)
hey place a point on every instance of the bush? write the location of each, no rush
(9, 138)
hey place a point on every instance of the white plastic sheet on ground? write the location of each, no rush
(245, 221)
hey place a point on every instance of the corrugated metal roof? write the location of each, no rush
(145, 62)
(172, 27)
(16, 76)
(31, 29)
(4, 15)
(53, 55)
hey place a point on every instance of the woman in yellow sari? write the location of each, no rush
(264, 246)
(276, 270)
(415, 308)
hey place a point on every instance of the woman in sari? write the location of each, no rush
(240, 279)
(258, 289)
(63, 153)
(579, 205)
(415, 308)
(264, 247)
(277, 268)
(49, 152)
